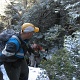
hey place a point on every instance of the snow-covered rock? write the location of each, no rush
(34, 73)
(72, 44)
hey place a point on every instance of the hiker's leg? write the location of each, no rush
(27, 61)
(38, 61)
(32, 60)
(24, 71)
(12, 72)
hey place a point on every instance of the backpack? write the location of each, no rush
(4, 37)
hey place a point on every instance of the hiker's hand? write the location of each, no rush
(37, 47)
(30, 49)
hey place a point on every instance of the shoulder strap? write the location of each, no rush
(16, 37)
(23, 44)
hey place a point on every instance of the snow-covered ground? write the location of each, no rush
(34, 73)
(3, 5)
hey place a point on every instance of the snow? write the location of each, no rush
(73, 5)
(71, 43)
(55, 0)
(5, 77)
(74, 78)
(34, 73)
(3, 5)
(74, 14)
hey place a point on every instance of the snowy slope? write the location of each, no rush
(34, 73)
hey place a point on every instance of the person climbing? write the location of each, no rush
(36, 59)
(15, 50)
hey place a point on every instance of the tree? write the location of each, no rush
(59, 67)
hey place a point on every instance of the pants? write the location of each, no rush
(17, 70)
(38, 60)
(35, 61)
(32, 60)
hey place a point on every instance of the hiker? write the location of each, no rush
(36, 59)
(15, 50)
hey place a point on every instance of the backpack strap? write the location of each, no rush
(23, 44)
(16, 37)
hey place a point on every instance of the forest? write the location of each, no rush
(59, 23)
